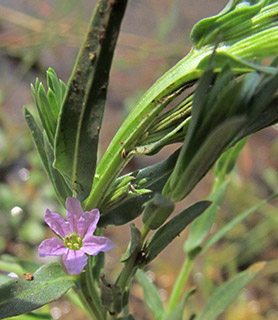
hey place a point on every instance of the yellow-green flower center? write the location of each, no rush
(73, 242)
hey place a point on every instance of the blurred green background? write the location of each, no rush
(37, 34)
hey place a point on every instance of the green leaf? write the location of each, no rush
(264, 106)
(213, 126)
(37, 136)
(111, 297)
(228, 292)
(151, 295)
(177, 313)
(153, 178)
(19, 296)
(60, 186)
(80, 120)
(129, 317)
(202, 225)
(135, 242)
(167, 137)
(52, 99)
(47, 113)
(267, 118)
(167, 233)
(204, 159)
(17, 265)
(168, 128)
(48, 104)
(56, 86)
(34, 316)
(98, 264)
(221, 59)
(4, 279)
(46, 154)
(224, 26)
(156, 211)
(264, 95)
(227, 161)
(43, 111)
(234, 222)
(184, 73)
(136, 125)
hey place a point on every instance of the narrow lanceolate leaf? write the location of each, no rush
(81, 116)
(156, 211)
(22, 265)
(153, 178)
(134, 242)
(264, 106)
(228, 292)
(4, 278)
(234, 222)
(129, 317)
(60, 186)
(98, 264)
(227, 161)
(111, 297)
(202, 225)
(172, 229)
(46, 154)
(204, 158)
(213, 127)
(177, 313)
(19, 296)
(151, 295)
(268, 118)
(34, 316)
(37, 136)
(261, 26)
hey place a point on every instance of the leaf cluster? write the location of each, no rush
(230, 98)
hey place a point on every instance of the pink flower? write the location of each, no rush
(75, 236)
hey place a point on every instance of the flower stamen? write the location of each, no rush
(73, 242)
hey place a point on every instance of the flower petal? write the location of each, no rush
(92, 245)
(52, 247)
(57, 223)
(74, 261)
(87, 223)
(74, 212)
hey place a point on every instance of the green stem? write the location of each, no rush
(121, 149)
(180, 283)
(130, 266)
(93, 291)
(127, 272)
(89, 295)
(84, 299)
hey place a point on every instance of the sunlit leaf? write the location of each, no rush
(153, 178)
(134, 242)
(151, 295)
(19, 296)
(228, 292)
(234, 222)
(80, 120)
(202, 225)
(167, 233)
(178, 311)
